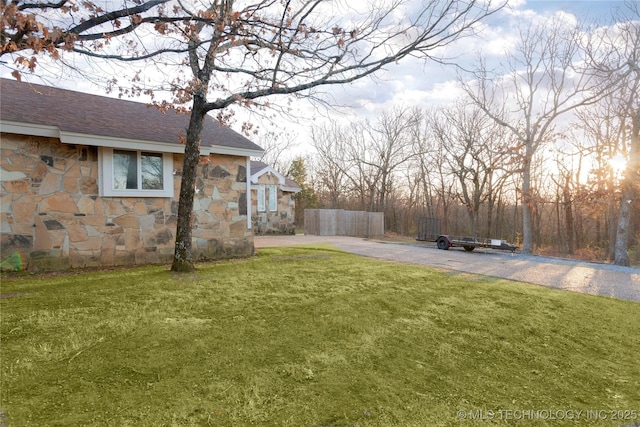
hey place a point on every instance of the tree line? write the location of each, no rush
(454, 164)
(543, 150)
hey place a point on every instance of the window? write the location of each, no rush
(136, 173)
(273, 198)
(125, 170)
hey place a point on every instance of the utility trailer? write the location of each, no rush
(429, 231)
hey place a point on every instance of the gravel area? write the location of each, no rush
(591, 278)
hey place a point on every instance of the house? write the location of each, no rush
(94, 181)
(273, 203)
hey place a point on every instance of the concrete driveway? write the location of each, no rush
(590, 278)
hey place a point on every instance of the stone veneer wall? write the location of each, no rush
(51, 213)
(268, 222)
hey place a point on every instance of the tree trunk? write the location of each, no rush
(628, 199)
(515, 222)
(183, 258)
(611, 229)
(568, 216)
(622, 233)
(490, 204)
(527, 222)
(499, 222)
(560, 239)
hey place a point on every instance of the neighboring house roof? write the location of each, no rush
(259, 168)
(81, 118)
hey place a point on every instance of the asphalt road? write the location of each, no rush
(589, 278)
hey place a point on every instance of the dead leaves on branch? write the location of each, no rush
(29, 63)
(23, 32)
(161, 28)
(25, 27)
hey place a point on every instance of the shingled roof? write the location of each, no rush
(81, 116)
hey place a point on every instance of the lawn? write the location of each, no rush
(312, 336)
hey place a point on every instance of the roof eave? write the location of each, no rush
(245, 152)
(111, 142)
(291, 189)
(258, 174)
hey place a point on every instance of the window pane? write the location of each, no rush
(151, 171)
(273, 198)
(261, 198)
(125, 170)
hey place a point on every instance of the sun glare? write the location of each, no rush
(618, 163)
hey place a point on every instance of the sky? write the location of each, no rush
(414, 83)
(434, 84)
(407, 84)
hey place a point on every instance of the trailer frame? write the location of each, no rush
(429, 231)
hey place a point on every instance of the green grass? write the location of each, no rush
(310, 336)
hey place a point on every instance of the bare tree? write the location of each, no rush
(277, 149)
(362, 175)
(433, 167)
(333, 167)
(390, 146)
(369, 156)
(222, 53)
(473, 143)
(614, 54)
(601, 128)
(329, 181)
(540, 84)
(421, 167)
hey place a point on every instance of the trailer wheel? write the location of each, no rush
(469, 248)
(442, 243)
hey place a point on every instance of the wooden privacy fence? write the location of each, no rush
(338, 222)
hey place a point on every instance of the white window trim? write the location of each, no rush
(248, 193)
(273, 198)
(261, 198)
(105, 172)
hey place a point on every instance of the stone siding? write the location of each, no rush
(269, 222)
(52, 217)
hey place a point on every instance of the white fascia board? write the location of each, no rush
(29, 129)
(110, 142)
(255, 176)
(290, 189)
(281, 178)
(87, 139)
(244, 152)
(248, 194)
(106, 141)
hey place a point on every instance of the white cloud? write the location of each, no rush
(412, 82)
(516, 4)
